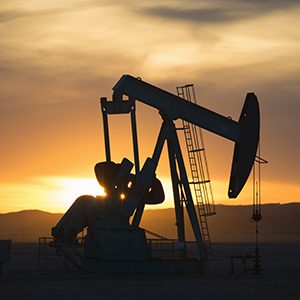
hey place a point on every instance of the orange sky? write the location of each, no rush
(58, 57)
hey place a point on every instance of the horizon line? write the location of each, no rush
(164, 208)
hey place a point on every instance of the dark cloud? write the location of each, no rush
(218, 11)
(9, 15)
(214, 11)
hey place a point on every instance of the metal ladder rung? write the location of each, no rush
(212, 213)
(200, 182)
(197, 150)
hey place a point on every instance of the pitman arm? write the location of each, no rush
(244, 133)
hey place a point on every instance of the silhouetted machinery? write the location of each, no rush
(114, 242)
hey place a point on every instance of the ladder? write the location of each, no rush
(198, 169)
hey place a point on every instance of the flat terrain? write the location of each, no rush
(280, 278)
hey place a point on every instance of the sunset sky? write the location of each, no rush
(58, 58)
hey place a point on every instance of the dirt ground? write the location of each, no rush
(280, 278)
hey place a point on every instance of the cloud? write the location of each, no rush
(215, 12)
(58, 58)
(16, 11)
(9, 15)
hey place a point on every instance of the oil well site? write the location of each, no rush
(102, 246)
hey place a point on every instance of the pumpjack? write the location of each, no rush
(115, 242)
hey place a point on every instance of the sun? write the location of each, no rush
(67, 190)
(83, 186)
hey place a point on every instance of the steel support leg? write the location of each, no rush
(105, 129)
(155, 158)
(177, 203)
(189, 200)
(135, 139)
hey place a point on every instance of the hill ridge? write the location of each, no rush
(232, 223)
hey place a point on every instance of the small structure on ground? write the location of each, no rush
(5, 253)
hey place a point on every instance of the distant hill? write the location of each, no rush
(27, 225)
(280, 223)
